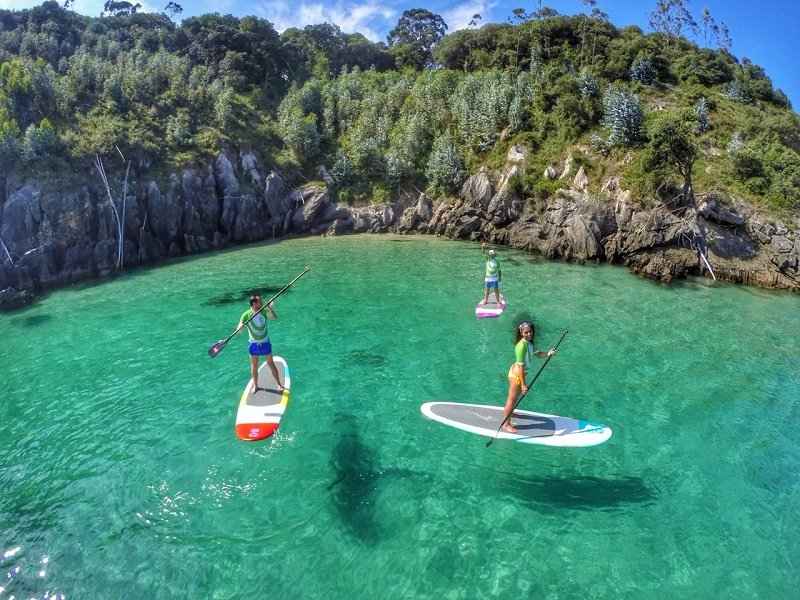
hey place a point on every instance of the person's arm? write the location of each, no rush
(239, 325)
(519, 364)
(271, 314)
(543, 354)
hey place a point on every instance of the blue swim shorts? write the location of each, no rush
(491, 285)
(260, 348)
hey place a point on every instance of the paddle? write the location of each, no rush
(513, 408)
(220, 345)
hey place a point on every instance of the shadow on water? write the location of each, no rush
(32, 321)
(365, 358)
(243, 295)
(357, 477)
(580, 493)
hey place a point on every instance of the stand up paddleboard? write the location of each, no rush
(260, 412)
(532, 427)
(491, 308)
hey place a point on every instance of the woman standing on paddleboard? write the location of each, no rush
(523, 358)
(492, 279)
(259, 340)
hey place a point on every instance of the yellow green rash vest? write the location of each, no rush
(492, 269)
(257, 328)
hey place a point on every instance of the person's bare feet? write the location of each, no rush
(509, 428)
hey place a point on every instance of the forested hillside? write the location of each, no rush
(427, 109)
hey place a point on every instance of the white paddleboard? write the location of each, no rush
(260, 412)
(532, 427)
(491, 308)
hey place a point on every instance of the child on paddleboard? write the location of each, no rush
(523, 357)
(493, 275)
(259, 340)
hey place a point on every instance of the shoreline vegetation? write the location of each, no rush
(131, 138)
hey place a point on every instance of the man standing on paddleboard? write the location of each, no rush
(260, 345)
(493, 276)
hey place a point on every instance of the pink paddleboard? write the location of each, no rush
(491, 308)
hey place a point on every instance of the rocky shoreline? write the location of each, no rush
(50, 237)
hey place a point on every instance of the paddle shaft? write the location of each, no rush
(530, 385)
(221, 345)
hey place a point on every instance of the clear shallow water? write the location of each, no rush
(120, 476)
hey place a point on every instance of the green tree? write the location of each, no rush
(120, 8)
(701, 113)
(671, 148)
(415, 36)
(9, 143)
(40, 141)
(672, 18)
(173, 9)
(623, 116)
(445, 168)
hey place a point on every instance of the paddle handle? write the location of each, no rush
(530, 385)
(217, 348)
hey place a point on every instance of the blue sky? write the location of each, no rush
(766, 32)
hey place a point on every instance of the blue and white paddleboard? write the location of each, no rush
(532, 427)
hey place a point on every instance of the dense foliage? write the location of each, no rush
(426, 109)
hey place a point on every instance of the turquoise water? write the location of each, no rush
(120, 476)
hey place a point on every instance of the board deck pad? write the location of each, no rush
(260, 412)
(491, 308)
(532, 427)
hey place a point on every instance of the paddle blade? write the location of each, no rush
(216, 348)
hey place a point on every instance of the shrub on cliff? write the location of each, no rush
(480, 107)
(738, 91)
(39, 142)
(671, 149)
(587, 84)
(702, 66)
(298, 129)
(643, 70)
(769, 169)
(445, 170)
(622, 116)
(701, 113)
(410, 143)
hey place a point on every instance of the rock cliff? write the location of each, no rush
(52, 236)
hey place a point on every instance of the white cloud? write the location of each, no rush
(371, 18)
(222, 7)
(459, 16)
(85, 7)
(18, 4)
(368, 18)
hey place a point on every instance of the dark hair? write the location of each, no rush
(254, 298)
(518, 333)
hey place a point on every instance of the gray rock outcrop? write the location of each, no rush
(53, 236)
